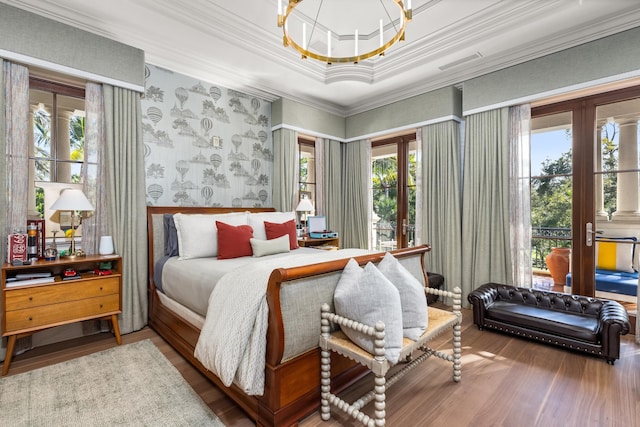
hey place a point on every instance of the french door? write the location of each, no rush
(584, 162)
(393, 169)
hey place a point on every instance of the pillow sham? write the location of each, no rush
(413, 300)
(366, 296)
(198, 235)
(616, 253)
(269, 247)
(257, 219)
(234, 241)
(275, 230)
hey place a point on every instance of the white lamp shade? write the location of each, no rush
(72, 199)
(305, 205)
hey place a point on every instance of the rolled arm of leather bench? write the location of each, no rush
(614, 321)
(480, 299)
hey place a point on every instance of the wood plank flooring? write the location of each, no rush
(506, 381)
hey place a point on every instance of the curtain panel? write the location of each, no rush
(285, 170)
(356, 200)
(486, 252)
(93, 173)
(439, 199)
(127, 199)
(14, 141)
(331, 202)
(520, 193)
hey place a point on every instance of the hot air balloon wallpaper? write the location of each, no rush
(207, 134)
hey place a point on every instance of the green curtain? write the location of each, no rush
(285, 170)
(127, 200)
(486, 255)
(438, 210)
(356, 165)
(332, 186)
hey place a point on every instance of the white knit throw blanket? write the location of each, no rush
(233, 340)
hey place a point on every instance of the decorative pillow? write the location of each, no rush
(269, 247)
(198, 235)
(288, 228)
(366, 296)
(257, 219)
(234, 241)
(170, 236)
(413, 300)
(615, 253)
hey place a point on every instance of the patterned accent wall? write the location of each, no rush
(204, 145)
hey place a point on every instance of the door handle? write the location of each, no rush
(404, 226)
(590, 234)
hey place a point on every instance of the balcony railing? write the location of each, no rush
(545, 238)
(384, 236)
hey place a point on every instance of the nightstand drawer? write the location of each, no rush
(60, 292)
(52, 314)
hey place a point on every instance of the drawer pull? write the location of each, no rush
(30, 318)
(100, 305)
(30, 298)
(100, 287)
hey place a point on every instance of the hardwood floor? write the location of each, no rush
(505, 382)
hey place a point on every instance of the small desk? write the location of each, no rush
(307, 242)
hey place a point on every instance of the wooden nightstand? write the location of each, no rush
(27, 308)
(309, 242)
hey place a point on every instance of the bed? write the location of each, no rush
(294, 295)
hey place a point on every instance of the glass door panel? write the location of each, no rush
(551, 196)
(617, 184)
(393, 174)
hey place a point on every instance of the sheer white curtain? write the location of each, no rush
(93, 173)
(486, 248)
(285, 170)
(520, 193)
(356, 199)
(438, 204)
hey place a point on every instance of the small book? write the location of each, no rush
(36, 281)
(22, 276)
(77, 276)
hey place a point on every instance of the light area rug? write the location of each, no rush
(129, 385)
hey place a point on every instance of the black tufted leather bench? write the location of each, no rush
(575, 322)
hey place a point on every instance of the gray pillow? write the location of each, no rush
(366, 296)
(415, 318)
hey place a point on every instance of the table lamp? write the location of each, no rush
(304, 206)
(74, 201)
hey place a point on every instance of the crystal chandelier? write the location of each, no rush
(343, 31)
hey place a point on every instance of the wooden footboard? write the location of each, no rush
(292, 387)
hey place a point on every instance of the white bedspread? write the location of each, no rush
(233, 340)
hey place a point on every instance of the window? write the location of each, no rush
(307, 169)
(56, 157)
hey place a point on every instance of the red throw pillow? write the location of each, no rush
(275, 230)
(233, 242)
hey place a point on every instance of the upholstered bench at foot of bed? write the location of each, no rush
(575, 322)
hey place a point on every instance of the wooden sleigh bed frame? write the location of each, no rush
(292, 388)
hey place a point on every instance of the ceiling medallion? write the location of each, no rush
(339, 31)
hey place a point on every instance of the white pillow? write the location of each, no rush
(198, 235)
(269, 247)
(415, 318)
(256, 221)
(366, 296)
